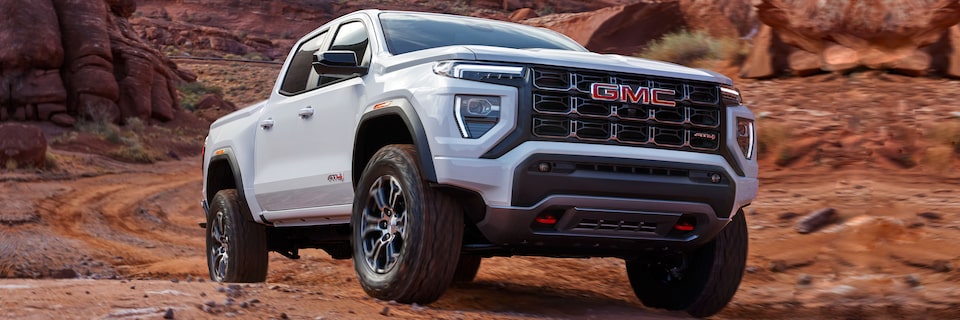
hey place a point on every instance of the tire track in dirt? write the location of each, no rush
(122, 218)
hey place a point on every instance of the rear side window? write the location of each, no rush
(300, 75)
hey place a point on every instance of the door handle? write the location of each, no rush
(306, 112)
(266, 123)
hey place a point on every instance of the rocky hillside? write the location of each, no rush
(267, 29)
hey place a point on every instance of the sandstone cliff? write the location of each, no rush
(802, 37)
(64, 59)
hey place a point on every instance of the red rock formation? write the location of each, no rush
(66, 58)
(22, 146)
(269, 28)
(809, 36)
(627, 29)
(523, 14)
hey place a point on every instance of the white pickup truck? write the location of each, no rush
(418, 144)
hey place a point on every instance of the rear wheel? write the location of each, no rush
(236, 246)
(406, 235)
(700, 282)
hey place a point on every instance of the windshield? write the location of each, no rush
(408, 32)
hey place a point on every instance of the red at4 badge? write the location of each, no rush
(640, 95)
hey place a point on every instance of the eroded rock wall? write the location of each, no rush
(803, 37)
(64, 59)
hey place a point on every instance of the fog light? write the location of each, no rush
(476, 115)
(715, 178)
(544, 167)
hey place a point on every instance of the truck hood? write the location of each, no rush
(591, 60)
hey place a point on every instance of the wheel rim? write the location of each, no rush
(218, 250)
(384, 224)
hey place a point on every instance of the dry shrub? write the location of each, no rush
(944, 141)
(134, 152)
(947, 134)
(772, 137)
(938, 158)
(695, 48)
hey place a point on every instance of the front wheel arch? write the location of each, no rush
(398, 123)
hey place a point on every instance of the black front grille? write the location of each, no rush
(564, 110)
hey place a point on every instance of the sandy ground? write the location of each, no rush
(97, 238)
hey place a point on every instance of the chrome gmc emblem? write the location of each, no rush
(640, 95)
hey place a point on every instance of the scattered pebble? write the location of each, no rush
(417, 307)
(393, 303)
(789, 215)
(168, 314)
(930, 215)
(284, 316)
(175, 280)
(778, 266)
(816, 220)
(804, 279)
(941, 266)
(64, 274)
(385, 311)
(912, 280)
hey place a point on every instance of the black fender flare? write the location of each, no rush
(228, 156)
(403, 109)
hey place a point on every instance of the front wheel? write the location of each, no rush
(467, 268)
(700, 282)
(406, 235)
(236, 246)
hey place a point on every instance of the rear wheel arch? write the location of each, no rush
(223, 173)
(395, 124)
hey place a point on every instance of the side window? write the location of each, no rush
(300, 75)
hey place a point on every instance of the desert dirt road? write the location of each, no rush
(127, 237)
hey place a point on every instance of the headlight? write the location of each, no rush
(730, 95)
(746, 137)
(479, 72)
(476, 115)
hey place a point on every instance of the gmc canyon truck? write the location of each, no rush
(418, 144)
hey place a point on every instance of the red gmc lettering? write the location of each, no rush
(656, 97)
(625, 93)
(605, 91)
(642, 95)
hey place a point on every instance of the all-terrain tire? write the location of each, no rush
(709, 280)
(406, 235)
(467, 268)
(236, 245)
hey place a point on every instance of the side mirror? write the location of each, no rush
(337, 63)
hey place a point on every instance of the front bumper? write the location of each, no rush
(617, 201)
